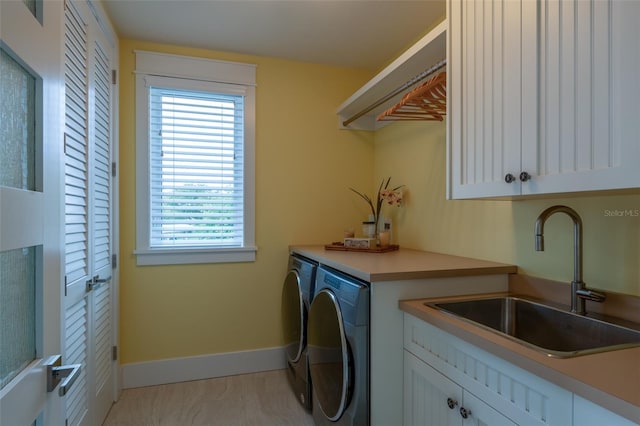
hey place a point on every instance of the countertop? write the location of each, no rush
(610, 379)
(402, 264)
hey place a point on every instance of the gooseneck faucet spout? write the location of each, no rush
(579, 292)
(577, 236)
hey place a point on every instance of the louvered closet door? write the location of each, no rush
(102, 321)
(88, 141)
(77, 250)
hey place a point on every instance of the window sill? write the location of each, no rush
(196, 255)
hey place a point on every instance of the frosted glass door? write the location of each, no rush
(17, 312)
(20, 283)
(17, 266)
(30, 219)
(17, 124)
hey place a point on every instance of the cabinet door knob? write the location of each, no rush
(509, 178)
(451, 403)
(524, 176)
(465, 413)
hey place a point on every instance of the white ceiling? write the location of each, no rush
(353, 33)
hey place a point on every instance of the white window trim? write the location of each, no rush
(197, 74)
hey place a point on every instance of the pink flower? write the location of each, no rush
(393, 197)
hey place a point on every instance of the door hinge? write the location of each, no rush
(114, 353)
(113, 169)
(114, 261)
(114, 76)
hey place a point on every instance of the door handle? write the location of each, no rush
(56, 372)
(95, 282)
(98, 280)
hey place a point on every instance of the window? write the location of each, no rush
(195, 160)
(196, 141)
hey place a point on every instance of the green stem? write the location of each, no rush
(367, 199)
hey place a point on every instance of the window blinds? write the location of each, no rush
(196, 168)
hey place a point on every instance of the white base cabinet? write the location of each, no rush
(586, 413)
(433, 399)
(439, 367)
(446, 379)
(386, 356)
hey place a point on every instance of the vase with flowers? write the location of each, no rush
(386, 195)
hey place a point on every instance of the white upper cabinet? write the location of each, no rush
(491, 93)
(543, 97)
(589, 95)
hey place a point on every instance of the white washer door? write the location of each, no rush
(294, 316)
(329, 356)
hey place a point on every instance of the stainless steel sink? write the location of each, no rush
(552, 331)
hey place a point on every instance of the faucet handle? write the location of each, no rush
(591, 295)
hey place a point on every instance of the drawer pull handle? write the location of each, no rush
(451, 403)
(524, 176)
(509, 178)
(465, 413)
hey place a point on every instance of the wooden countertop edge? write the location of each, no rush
(442, 273)
(341, 260)
(626, 404)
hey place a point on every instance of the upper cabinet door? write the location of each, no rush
(543, 97)
(588, 92)
(492, 73)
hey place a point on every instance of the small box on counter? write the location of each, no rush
(362, 243)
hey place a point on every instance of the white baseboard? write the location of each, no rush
(201, 367)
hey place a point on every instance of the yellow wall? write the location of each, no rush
(303, 167)
(414, 155)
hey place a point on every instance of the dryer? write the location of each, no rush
(338, 347)
(297, 293)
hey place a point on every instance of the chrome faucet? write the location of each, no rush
(579, 291)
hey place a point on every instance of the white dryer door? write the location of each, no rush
(329, 355)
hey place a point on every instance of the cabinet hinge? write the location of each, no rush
(65, 285)
(114, 353)
(114, 76)
(113, 169)
(114, 261)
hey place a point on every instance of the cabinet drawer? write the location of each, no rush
(519, 395)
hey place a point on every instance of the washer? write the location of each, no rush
(338, 333)
(297, 293)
